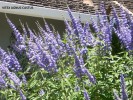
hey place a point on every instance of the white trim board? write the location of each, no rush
(41, 12)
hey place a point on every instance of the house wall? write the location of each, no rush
(5, 30)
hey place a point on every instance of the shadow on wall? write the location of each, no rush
(5, 30)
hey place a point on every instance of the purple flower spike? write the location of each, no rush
(31, 33)
(123, 88)
(116, 95)
(123, 16)
(47, 28)
(74, 22)
(23, 97)
(20, 40)
(95, 24)
(2, 82)
(103, 10)
(68, 27)
(41, 93)
(131, 25)
(116, 18)
(14, 63)
(9, 60)
(24, 79)
(91, 77)
(14, 78)
(86, 96)
(17, 34)
(123, 31)
(77, 88)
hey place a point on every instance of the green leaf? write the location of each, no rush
(66, 80)
(62, 84)
(33, 83)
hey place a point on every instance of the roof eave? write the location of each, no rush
(42, 12)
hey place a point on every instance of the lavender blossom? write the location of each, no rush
(44, 58)
(23, 97)
(123, 16)
(107, 37)
(91, 77)
(86, 96)
(95, 24)
(131, 27)
(123, 31)
(77, 61)
(116, 95)
(32, 36)
(90, 40)
(2, 82)
(14, 78)
(83, 51)
(77, 88)
(59, 41)
(105, 28)
(31, 53)
(41, 93)
(3, 69)
(20, 43)
(116, 19)
(3, 54)
(124, 95)
(74, 21)
(14, 64)
(77, 27)
(25, 31)
(48, 28)
(103, 10)
(17, 34)
(10, 60)
(12, 86)
(19, 47)
(80, 70)
(24, 79)
(68, 28)
(86, 27)
(125, 37)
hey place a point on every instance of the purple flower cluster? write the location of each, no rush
(79, 33)
(6, 64)
(41, 92)
(123, 29)
(2, 81)
(24, 80)
(80, 70)
(124, 95)
(22, 95)
(104, 29)
(45, 49)
(85, 38)
(116, 95)
(86, 95)
(9, 60)
(19, 45)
